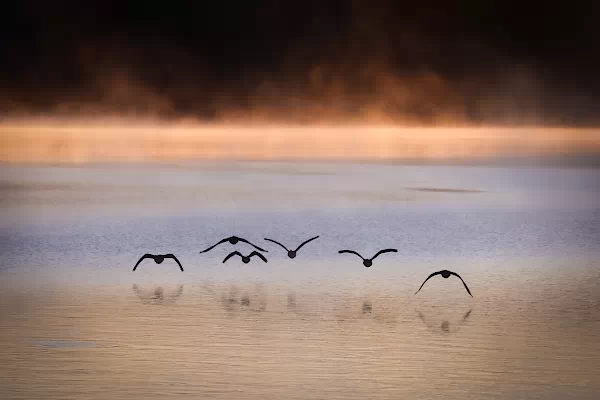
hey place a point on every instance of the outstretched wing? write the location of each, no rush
(434, 274)
(235, 253)
(213, 246)
(256, 247)
(466, 287)
(384, 251)
(256, 253)
(271, 240)
(351, 252)
(174, 258)
(141, 259)
(309, 240)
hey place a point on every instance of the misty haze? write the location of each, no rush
(465, 136)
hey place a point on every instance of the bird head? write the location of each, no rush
(246, 259)
(159, 259)
(292, 254)
(367, 263)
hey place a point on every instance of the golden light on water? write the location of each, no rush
(80, 142)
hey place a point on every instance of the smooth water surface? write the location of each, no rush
(77, 323)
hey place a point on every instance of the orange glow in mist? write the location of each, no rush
(80, 142)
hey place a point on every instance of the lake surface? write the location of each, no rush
(77, 323)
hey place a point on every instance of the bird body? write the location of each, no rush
(446, 274)
(245, 259)
(232, 240)
(368, 262)
(293, 253)
(158, 258)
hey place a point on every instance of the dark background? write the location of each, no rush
(488, 61)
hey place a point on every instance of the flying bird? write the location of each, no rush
(446, 274)
(158, 258)
(367, 262)
(245, 259)
(292, 253)
(232, 240)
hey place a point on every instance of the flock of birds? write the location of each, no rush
(367, 262)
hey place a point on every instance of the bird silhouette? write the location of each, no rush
(446, 274)
(158, 258)
(245, 259)
(292, 253)
(367, 262)
(232, 240)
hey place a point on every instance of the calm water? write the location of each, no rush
(77, 323)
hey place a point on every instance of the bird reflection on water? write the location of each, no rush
(291, 300)
(233, 302)
(446, 326)
(383, 314)
(157, 295)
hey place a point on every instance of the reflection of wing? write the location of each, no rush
(235, 253)
(156, 296)
(137, 290)
(443, 325)
(434, 274)
(255, 253)
(384, 251)
(309, 240)
(174, 258)
(210, 290)
(271, 240)
(141, 259)
(351, 252)
(468, 313)
(256, 247)
(178, 293)
(140, 293)
(466, 287)
(213, 246)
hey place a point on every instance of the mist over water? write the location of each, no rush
(76, 322)
(119, 140)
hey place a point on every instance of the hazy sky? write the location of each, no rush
(417, 63)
